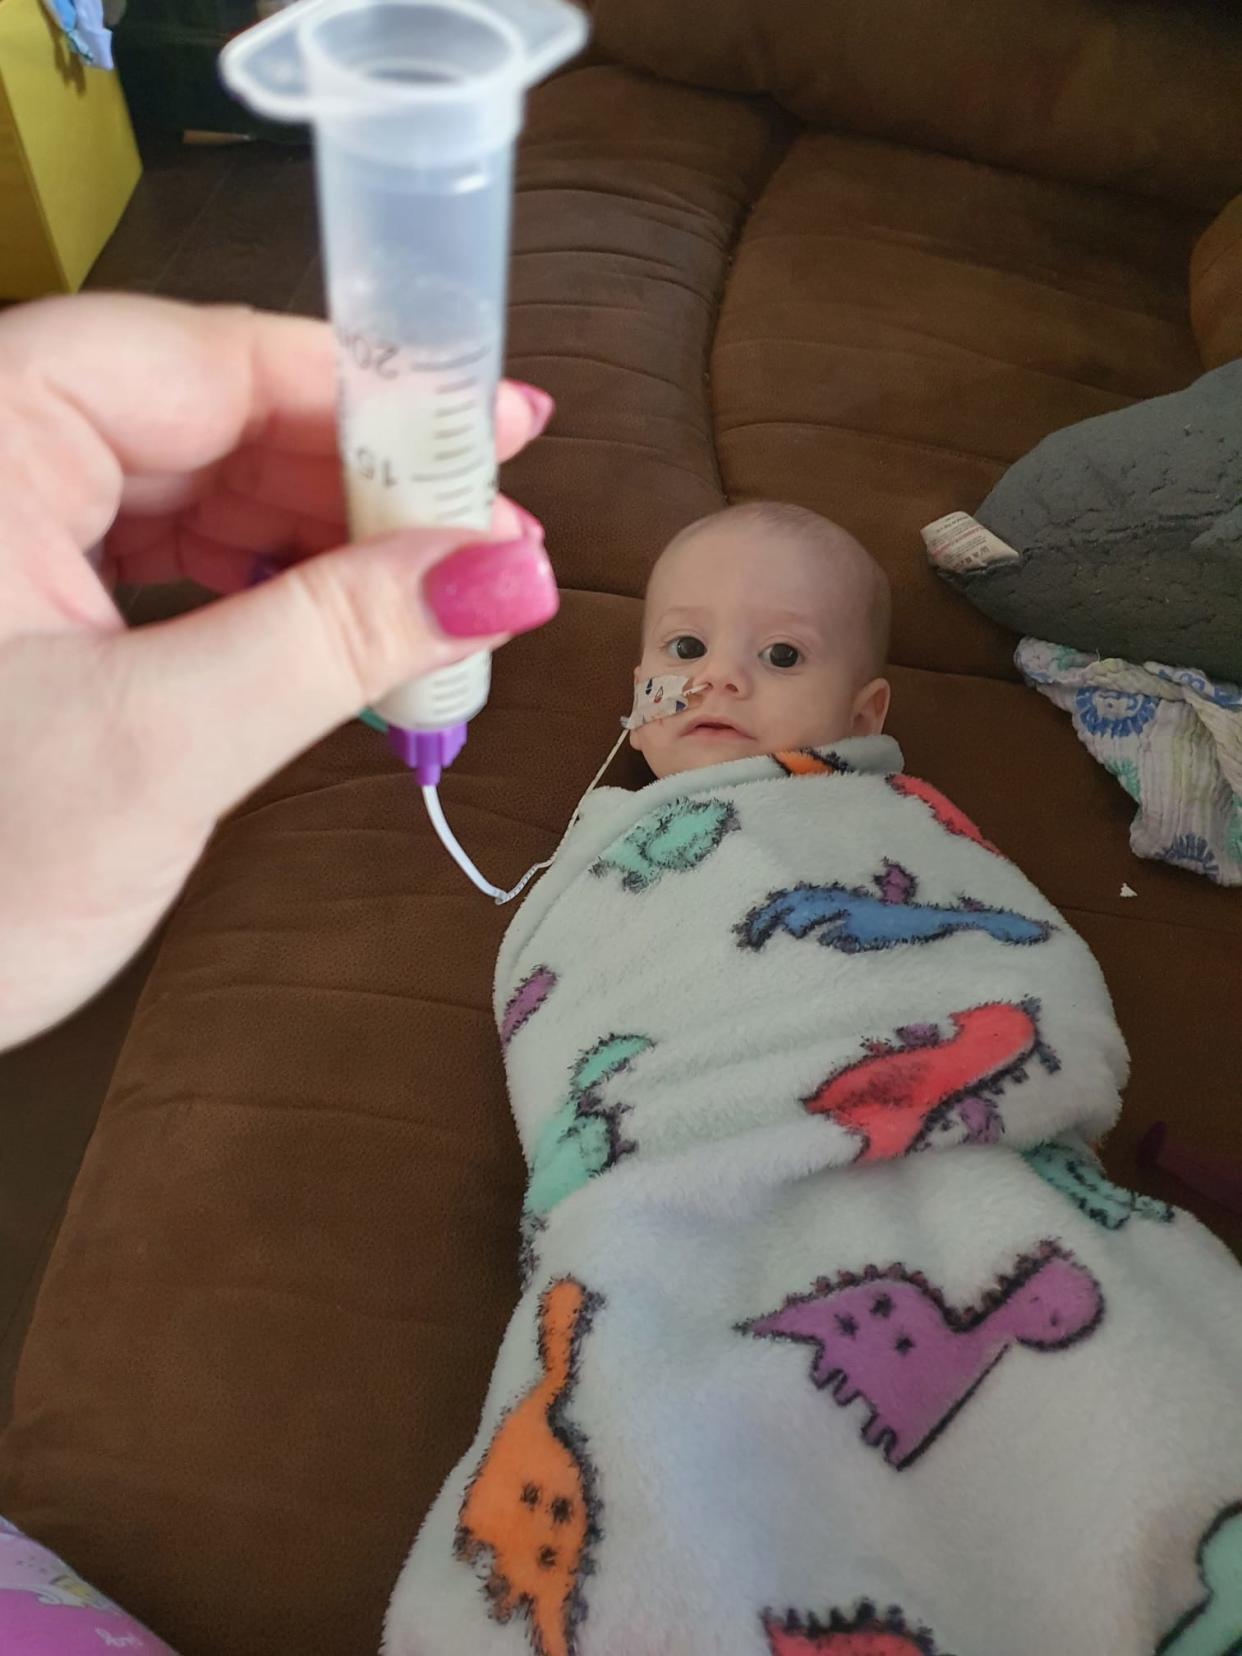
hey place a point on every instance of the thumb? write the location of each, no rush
(229, 693)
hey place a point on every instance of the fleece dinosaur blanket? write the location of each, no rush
(835, 1337)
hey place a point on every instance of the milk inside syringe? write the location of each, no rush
(416, 432)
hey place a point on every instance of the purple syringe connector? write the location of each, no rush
(427, 752)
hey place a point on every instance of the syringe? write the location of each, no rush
(414, 105)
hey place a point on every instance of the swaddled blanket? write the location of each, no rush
(835, 1337)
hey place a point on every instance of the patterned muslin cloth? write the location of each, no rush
(1170, 735)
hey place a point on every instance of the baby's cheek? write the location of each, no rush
(654, 742)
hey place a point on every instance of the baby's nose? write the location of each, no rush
(722, 672)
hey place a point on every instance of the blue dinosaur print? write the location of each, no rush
(583, 1137)
(854, 920)
(673, 840)
(1076, 1176)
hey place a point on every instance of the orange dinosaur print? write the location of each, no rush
(530, 1503)
(803, 762)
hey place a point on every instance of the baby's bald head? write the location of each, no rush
(840, 571)
(784, 615)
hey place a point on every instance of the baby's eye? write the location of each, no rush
(687, 648)
(782, 655)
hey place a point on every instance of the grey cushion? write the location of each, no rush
(1129, 528)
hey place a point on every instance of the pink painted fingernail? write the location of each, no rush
(497, 587)
(542, 406)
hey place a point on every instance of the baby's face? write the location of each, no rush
(773, 632)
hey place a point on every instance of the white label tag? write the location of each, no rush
(660, 698)
(959, 544)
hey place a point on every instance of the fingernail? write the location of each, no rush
(497, 587)
(542, 406)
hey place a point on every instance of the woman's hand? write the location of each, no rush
(175, 442)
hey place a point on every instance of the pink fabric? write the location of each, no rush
(46, 1610)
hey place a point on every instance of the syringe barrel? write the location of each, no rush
(415, 264)
(414, 215)
(414, 105)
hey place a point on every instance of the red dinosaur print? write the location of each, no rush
(898, 1094)
(864, 1633)
(946, 813)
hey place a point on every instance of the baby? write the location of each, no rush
(835, 1338)
(784, 617)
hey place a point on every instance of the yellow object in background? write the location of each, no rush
(68, 161)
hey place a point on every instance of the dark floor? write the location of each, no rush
(208, 222)
(232, 222)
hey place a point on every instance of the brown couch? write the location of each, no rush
(860, 254)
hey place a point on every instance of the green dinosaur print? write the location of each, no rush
(670, 841)
(1211, 1627)
(583, 1137)
(1075, 1175)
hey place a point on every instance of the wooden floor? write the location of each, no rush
(233, 223)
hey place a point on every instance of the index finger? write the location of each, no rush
(294, 479)
(170, 388)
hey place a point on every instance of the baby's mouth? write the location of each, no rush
(716, 727)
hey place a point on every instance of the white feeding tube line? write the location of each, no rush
(450, 842)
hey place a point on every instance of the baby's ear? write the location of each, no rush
(871, 707)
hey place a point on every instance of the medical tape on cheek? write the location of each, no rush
(660, 698)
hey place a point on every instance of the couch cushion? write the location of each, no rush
(1088, 90)
(632, 196)
(724, 307)
(899, 327)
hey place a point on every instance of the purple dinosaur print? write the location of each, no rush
(525, 1001)
(890, 1338)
